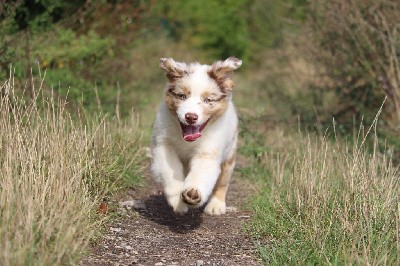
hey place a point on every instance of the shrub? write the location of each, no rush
(357, 45)
(217, 26)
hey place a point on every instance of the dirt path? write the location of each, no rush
(149, 233)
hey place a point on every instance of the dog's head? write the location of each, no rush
(198, 94)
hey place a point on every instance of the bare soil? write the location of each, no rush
(148, 233)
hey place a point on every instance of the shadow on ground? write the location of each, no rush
(158, 210)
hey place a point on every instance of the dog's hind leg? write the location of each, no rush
(217, 205)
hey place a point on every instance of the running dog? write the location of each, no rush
(195, 135)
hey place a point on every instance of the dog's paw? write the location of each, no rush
(215, 207)
(177, 205)
(191, 196)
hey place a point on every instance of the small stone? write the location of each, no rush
(148, 152)
(231, 209)
(114, 229)
(128, 203)
(134, 260)
(199, 263)
(139, 205)
(159, 264)
(128, 247)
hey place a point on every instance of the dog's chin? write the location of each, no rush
(191, 132)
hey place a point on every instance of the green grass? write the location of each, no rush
(324, 202)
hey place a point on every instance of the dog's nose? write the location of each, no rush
(191, 118)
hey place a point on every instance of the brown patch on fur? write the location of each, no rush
(214, 96)
(217, 106)
(222, 185)
(171, 96)
(216, 109)
(185, 90)
(229, 83)
(171, 102)
(174, 70)
(222, 78)
(173, 77)
(231, 160)
(221, 72)
(172, 88)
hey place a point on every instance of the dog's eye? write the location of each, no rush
(181, 96)
(207, 100)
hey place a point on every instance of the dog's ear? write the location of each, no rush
(174, 70)
(229, 65)
(221, 72)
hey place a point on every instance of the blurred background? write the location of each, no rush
(305, 62)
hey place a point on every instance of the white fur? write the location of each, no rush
(182, 165)
(215, 207)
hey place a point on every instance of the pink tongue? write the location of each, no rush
(191, 133)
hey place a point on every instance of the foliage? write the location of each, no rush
(225, 28)
(8, 29)
(64, 47)
(19, 18)
(218, 26)
(269, 20)
(80, 56)
(357, 45)
(41, 14)
(68, 59)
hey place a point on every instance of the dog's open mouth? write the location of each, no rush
(191, 132)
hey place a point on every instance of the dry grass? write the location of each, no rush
(325, 202)
(52, 172)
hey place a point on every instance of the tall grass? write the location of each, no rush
(53, 170)
(328, 203)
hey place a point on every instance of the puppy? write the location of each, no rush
(195, 135)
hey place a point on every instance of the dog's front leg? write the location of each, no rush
(168, 169)
(200, 181)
